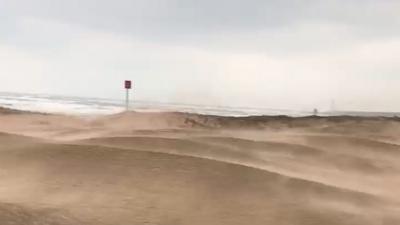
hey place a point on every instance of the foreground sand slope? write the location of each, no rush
(188, 169)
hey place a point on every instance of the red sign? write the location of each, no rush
(128, 84)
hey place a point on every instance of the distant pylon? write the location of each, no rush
(315, 112)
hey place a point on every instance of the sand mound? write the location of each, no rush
(117, 186)
(314, 163)
(5, 111)
(176, 168)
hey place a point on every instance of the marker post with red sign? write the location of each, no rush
(128, 86)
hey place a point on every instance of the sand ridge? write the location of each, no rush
(177, 168)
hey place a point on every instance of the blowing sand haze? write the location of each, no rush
(177, 168)
(198, 112)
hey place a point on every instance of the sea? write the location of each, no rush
(100, 106)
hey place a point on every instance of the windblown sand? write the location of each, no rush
(176, 168)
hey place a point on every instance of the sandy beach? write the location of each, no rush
(178, 168)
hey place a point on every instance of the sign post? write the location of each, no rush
(128, 86)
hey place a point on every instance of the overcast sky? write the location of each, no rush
(297, 54)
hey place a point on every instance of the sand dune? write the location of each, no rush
(174, 168)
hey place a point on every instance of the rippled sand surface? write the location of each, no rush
(175, 168)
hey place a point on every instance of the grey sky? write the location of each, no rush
(279, 54)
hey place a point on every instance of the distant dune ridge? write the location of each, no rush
(180, 168)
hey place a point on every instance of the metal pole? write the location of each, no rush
(127, 99)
